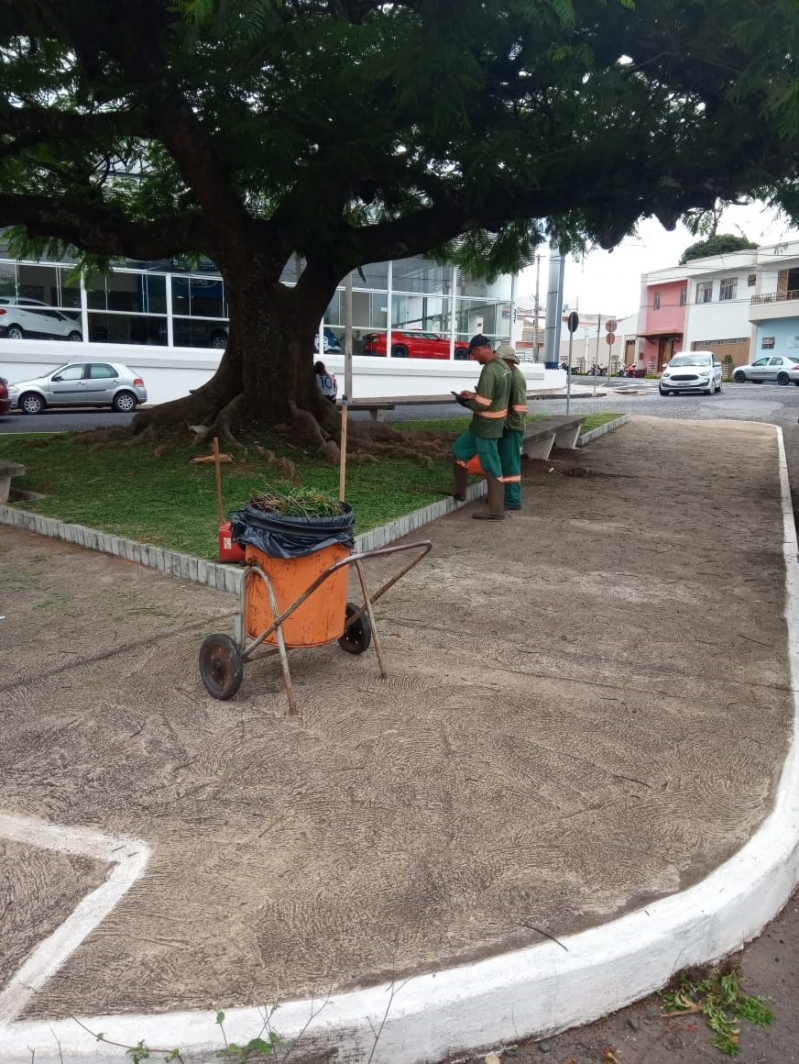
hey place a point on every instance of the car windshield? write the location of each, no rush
(691, 360)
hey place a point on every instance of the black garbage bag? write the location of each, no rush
(290, 537)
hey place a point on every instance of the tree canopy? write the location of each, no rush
(715, 245)
(352, 131)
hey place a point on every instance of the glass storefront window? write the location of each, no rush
(420, 314)
(369, 310)
(198, 297)
(195, 332)
(478, 315)
(334, 313)
(69, 290)
(421, 275)
(8, 279)
(127, 329)
(38, 282)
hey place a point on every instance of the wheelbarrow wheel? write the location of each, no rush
(221, 666)
(358, 636)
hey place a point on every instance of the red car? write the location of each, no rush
(414, 345)
(5, 402)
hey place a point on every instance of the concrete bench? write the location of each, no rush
(541, 436)
(377, 407)
(7, 471)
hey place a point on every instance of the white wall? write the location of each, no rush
(170, 373)
(719, 320)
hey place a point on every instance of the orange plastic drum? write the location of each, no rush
(320, 619)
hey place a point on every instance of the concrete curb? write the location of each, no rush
(228, 577)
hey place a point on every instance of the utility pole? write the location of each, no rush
(557, 267)
(535, 334)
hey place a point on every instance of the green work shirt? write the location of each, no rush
(517, 407)
(490, 405)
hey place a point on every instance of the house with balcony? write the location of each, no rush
(774, 305)
(736, 304)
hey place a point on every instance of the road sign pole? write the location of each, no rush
(573, 323)
(596, 353)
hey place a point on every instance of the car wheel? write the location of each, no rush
(75, 337)
(462, 355)
(219, 341)
(783, 379)
(31, 403)
(124, 402)
(399, 351)
(15, 332)
(739, 376)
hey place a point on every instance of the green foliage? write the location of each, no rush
(719, 998)
(355, 129)
(716, 245)
(297, 502)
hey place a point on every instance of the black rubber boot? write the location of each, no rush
(496, 502)
(458, 492)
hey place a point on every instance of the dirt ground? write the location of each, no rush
(588, 708)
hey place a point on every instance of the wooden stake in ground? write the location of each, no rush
(218, 473)
(342, 469)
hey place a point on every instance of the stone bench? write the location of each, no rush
(7, 471)
(541, 436)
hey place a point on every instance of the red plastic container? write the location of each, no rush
(228, 550)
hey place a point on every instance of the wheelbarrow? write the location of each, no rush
(277, 616)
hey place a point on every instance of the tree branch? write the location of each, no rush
(101, 230)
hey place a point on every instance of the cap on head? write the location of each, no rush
(507, 352)
(479, 341)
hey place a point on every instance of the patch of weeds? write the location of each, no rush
(719, 998)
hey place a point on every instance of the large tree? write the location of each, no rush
(351, 131)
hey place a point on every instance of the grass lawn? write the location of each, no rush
(171, 503)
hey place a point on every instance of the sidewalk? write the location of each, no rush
(587, 714)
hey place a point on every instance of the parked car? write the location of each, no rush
(332, 344)
(81, 384)
(414, 345)
(784, 369)
(691, 371)
(5, 401)
(30, 317)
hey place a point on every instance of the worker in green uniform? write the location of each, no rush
(510, 445)
(489, 406)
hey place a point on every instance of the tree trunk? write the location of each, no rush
(266, 376)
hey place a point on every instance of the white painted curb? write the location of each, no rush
(538, 990)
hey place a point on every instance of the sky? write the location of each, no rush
(610, 282)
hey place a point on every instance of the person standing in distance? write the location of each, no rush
(510, 445)
(489, 406)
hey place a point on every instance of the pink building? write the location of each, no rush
(664, 321)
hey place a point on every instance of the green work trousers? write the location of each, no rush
(510, 457)
(468, 445)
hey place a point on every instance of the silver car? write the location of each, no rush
(81, 384)
(784, 369)
(691, 371)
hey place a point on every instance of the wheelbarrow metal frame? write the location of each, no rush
(254, 569)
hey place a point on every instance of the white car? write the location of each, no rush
(691, 371)
(784, 369)
(30, 317)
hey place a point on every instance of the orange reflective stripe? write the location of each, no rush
(491, 415)
(481, 399)
(511, 480)
(519, 409)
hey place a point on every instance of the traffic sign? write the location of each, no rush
(573, 322)
(610, 339)
(611, 325)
